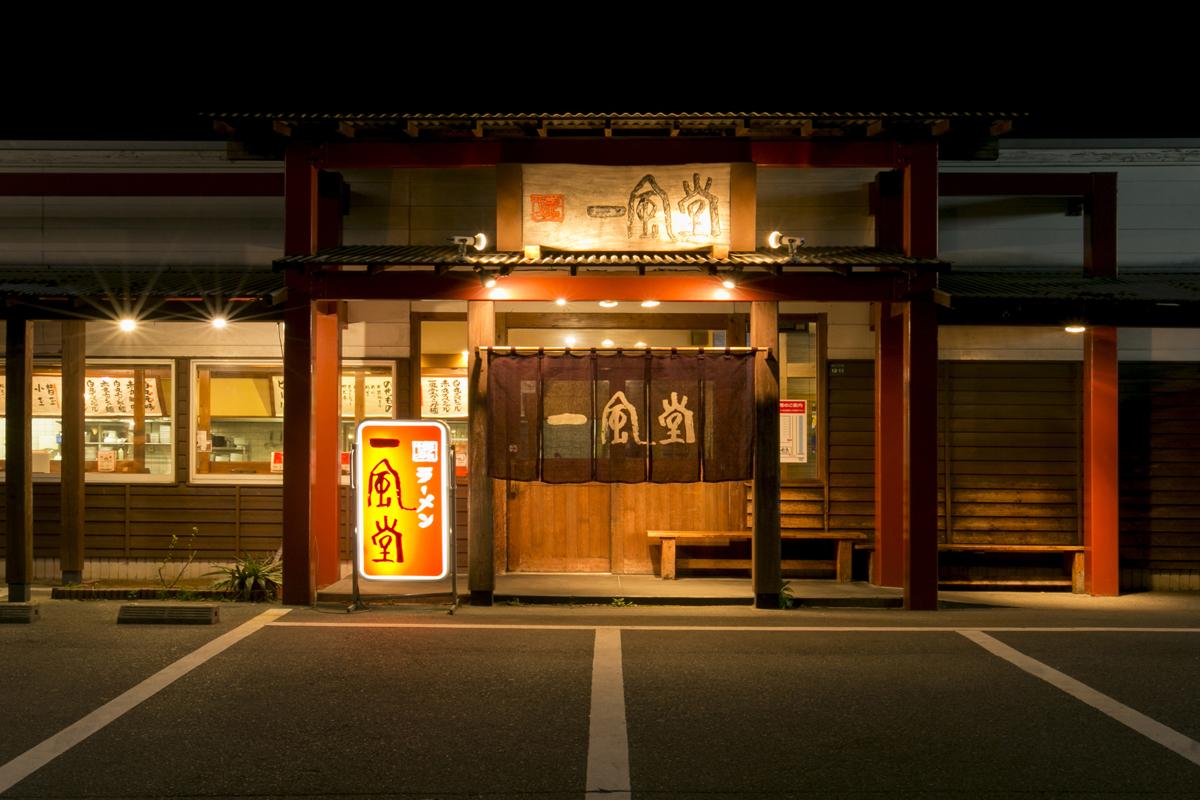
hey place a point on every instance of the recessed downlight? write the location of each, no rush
(651, 303)
(127, 324)
(609, 304)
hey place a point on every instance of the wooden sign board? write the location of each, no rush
(638, 208)
(403, 478)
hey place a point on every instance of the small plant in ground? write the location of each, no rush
(786, 600)
(250, 578)
(514, 601)
(168, 585)
(621, 602)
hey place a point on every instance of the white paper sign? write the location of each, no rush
(793, 431)
(106, 461)
(443, 397)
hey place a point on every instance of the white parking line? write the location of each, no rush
(1168, 737)
(484, 626)
(39, 755)
(608, 739)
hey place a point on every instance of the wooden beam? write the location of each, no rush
(324, 483)
(743, 207)
(481, 332)
(1100, 225)
(887, 204)
(921, 201)
(299, 553)
(462, 285)
(71, 545)
(874, 127)
(299, 202)
(889, 448)
(809, 153)
(766, 550)
(347, 129)
(939, 127)
(1000, 127)
(510, 201)
(920, 455)
(18, 488)
(282, 128)
(1014, 184)
(147, 184)
(1101, 518)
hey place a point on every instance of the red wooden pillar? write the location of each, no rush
(889, 448)
(18, 488)
(1101, 562)
(1101, 472)
(481, 542)
(920, 454)
(300, 232)
(324, 487)
(921, 201)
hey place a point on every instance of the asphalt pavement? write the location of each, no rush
(643, 702)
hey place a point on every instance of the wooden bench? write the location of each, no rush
(671, 540)
(1072, 554)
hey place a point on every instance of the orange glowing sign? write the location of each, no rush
(403, 474)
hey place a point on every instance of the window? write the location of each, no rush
(801, 358)
(237, 416)
(128, 431)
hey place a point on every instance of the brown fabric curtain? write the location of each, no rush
(677, 421)
(568, 418)
(514, 418)
(623, 435)
(728, 416)
(622, 418)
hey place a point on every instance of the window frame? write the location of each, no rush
(787, 322)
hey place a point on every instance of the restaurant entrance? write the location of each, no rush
(593, 527)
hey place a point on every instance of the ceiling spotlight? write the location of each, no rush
(1075, 328)
(562, 301)
(219, 322)
(777, 240)
(606, 343)
(609, 303)
(729, 283)
(651, 303)
(127, 324)
(478, 242)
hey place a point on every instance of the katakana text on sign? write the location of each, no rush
(403, 472)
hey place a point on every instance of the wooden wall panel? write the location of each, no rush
(1013, 443)
(640, 507)
(1160, 469)
(852, 447)
(558, 528)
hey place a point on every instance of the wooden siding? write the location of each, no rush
(1160, 471)
(852, 446)
(1013, 451)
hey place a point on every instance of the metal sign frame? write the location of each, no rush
(445, 498)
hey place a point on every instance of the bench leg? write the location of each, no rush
(1077, 582)
(668, 559)
(845, 558)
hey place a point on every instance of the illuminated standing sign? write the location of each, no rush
(403, 473)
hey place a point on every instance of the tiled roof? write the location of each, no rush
(1145, 287)
(50, 282)
(448, 256)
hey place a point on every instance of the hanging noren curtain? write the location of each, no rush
(664, 417)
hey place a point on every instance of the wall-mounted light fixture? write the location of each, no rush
(776, 240)
(219, 322)
(478, 242)
(127, 324)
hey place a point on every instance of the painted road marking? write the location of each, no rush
(608, 740)
(484, 626)
(1168, 737)
(39, 755)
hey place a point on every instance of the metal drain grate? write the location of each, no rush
(19, 612)
(168, 615)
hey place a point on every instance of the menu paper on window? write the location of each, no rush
(793, 431)
(403, 478)
(106, 461)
